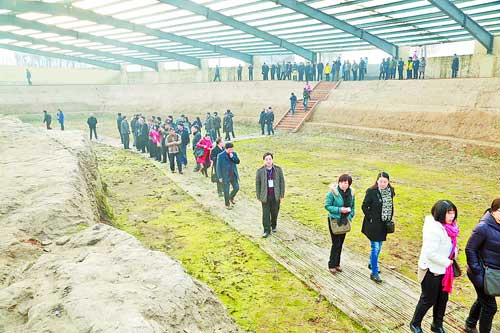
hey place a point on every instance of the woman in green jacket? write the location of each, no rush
(340, 206)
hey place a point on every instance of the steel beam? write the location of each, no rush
(229, 21)
(28, 24)
(482, 35)
(97, 63)
(302, 8)
(22, 38)
(81, 14)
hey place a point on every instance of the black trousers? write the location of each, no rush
(93, 129)
(164, 154)
(62, 126)
(230, 195)
(262, 127)
(433, 297)
(336, 250)
(483, 310)
(217, 133)
(126, 140)
(174, 157)
(270, 211)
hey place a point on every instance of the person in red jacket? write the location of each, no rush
(204, 160)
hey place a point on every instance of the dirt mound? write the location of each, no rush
(61, 270)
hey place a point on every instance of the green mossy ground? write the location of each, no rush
(259, 293)
(421, 172)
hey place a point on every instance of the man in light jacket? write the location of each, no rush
(270, 189)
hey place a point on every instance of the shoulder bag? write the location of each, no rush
(491, 281)
(339, 229)
(389, 227)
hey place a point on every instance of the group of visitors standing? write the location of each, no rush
(414, 67)
(47, 119)
(266, 121)
(437, 266)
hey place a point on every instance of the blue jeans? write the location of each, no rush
(292, 107)
(376, 247)
(230, 195)
(305, 103)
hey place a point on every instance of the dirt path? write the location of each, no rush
(378, 308)
(411, 134)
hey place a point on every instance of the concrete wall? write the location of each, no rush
(246, 99)
(14, 75)
(466, 108)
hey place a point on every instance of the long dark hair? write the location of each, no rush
(383, 174)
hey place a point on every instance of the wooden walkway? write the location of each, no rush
(387, 307)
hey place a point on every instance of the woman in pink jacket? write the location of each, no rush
(206, 144)
(155, 137)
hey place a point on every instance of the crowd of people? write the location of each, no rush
(347, 70)
(437, 264)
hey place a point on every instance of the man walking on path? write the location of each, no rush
(119, 119)
(239, 71)
(125, 131)
(227, 173)
(270, 189)
(219, 148)
(184, 135)
(209, 126)
(173, 141)
(454, 66)
(92, 122)
(217, 73)
(217, 125)
(28, 77)
(262, 120)
(293, 104)
(47, 119)
(60, 118)
(270, 121)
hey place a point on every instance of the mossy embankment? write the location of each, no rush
(259, 293)
(422, 172)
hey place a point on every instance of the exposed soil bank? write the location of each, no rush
(463, 108)
(63, 271)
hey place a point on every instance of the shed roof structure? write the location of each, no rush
(146, 32)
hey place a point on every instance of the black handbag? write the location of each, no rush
(457, 271)
(389, 227)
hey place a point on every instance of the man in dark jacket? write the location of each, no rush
(47, 119)
(92, 122)
(142, 135)
(183, 133)
(119, 119)
(273, 71)
(60, 118)
(320, 68)
(265, 72)
(217, 73)
(195, 130)
(483, 250)
(401, 66)
(125, 131)
(270, 121)
(454, 66)
(250, 72)
(262, 120)
(219, 148)
(217, 125)
(239, 70)
(133, 127)
(228, 125)
(270, 189)
(227, 173)
(209, 126)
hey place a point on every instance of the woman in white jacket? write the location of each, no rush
(439, 248)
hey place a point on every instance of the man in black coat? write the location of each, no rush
(320, 68)
(270, 121)
(47, 119)
(219, 148)
(217, 125)
(273, 71)
(262, 120)
(92, 122)
(183, 133)
(227, 173)
(119, 119)
(239, 71)
(265, 72)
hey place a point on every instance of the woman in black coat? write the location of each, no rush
(483, 249)
(378, 208)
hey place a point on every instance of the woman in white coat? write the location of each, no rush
(435, 266)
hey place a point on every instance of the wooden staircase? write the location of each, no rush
(294, 122)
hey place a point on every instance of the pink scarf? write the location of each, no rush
(452, 230)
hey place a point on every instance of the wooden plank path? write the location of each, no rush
(387, 307)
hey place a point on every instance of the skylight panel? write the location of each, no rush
(76, 24)
(136, 39)
(213, 34)
(57, 20)
(32, 16)
(163, 16)
(143, 12)
(221, 5)
(92, 28)
(249, 9)
(274, 20)
(44, 35)
(22, 44)
(89, 4)
(123, 6)
(75, 42)
(204, 24)
(50, 49)
(184, 20)
(8, 28)
(60, 39)
(4, 11)
(25, 31)
(260, 15)
(6, 41)
(111, 32)
(290, 25)
(480, 10)
(216, 29)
